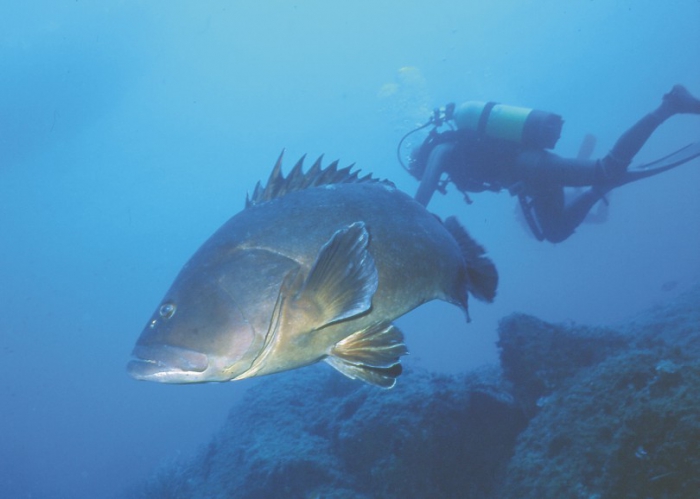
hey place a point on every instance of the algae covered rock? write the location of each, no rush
(620, 422)
(315, 434)
(539, 357)
(624, 429)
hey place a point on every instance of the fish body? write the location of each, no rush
(315, 268)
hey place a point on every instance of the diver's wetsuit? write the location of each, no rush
(477, 163)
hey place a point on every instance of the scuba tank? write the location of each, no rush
(528, 127)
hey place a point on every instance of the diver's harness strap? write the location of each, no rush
(484, 119)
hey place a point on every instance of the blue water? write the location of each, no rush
(129, 131)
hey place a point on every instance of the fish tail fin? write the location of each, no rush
(481, 276)
(372, 355)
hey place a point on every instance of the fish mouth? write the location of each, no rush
(167, 364)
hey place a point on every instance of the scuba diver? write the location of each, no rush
(491, 147)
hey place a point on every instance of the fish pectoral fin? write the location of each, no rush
(384, 378)
(372, 355)
(343, 279)
(380, 345)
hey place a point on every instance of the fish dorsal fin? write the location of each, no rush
(278, 185)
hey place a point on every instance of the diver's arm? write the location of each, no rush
(432, 173)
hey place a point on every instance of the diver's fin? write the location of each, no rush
(481, 278)
(372, 355)
(343, 279)
(681, 156)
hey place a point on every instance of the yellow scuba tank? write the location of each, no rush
(525, 126)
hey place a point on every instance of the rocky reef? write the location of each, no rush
(572, 411)
(616, 412)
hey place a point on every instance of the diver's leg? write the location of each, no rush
(536, 166)
(558, 219)
(577, 209)
(548, 206)
(678, 101)
(433, 170)
(540, 167)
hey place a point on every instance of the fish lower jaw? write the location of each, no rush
(151, 370)
(159, 372)
(168, 364)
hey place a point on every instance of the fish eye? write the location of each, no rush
(167, 310)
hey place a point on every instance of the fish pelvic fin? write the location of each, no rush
(372, 355)
(343, 279)
(278, 185)
(480, 277)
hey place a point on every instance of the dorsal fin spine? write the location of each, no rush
(278, 185)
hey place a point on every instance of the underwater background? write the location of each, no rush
(130, 131)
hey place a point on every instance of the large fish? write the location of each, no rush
(314, 268)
